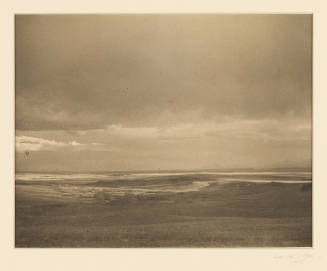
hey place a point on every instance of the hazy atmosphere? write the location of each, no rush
(163, 131)
(131, 92)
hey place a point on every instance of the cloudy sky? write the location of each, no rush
(148, 92)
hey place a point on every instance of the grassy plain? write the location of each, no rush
(227, 214)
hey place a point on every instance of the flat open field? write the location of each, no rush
(164, 210)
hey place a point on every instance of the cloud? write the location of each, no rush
(257, 66)
(266, 129)
(26, 143)
(163, 91)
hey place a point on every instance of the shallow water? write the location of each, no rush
(76, 185)
(136, 176)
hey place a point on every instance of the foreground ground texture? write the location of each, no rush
(220, 214)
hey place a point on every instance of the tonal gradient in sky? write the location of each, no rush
(149, 92)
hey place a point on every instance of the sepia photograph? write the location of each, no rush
(163, 130)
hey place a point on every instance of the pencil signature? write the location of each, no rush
(296, 258)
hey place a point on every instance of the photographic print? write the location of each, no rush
(163, 130)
